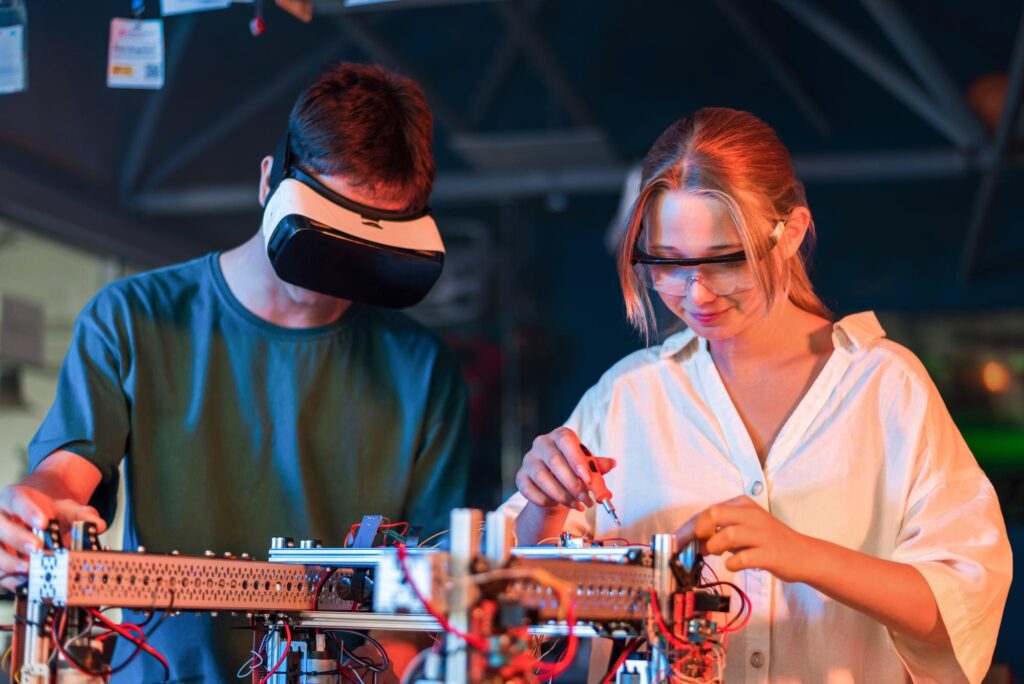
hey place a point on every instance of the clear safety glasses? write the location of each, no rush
(723, 275)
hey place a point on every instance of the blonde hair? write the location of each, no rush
(737, 159)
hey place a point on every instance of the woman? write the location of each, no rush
(814, 460)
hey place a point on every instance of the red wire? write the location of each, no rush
(548, 670)
(630, 647)
(663, 628)
(287, 647)
(60, 646)
(123, 631)
(474, 640)
(320, 585)
(552, 670)
(387, 526)
(746, 608)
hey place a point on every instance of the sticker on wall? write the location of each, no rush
(12, 59)
(136, 55)
(170, 7)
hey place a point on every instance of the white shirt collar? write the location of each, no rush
(852, 333)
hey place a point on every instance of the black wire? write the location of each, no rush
(320, 587)
(138, 649)
(145, 638)
(67, 654)
(148, 613)
(373, 667)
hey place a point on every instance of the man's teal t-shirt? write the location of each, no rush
(234, 430)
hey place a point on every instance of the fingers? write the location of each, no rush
(722, 515)
(731, 538)
(17, 537)
(748, 559)
(554, 465)
(704, 524)
(572, 451)
(550, 485)
(69, 511)
(532, 492)
(32, 506)
(11, 584)
(686, 531)
(568, 479)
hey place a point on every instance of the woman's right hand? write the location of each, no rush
(23, 507)
(554, 472)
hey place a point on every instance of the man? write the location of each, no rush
(247, 406)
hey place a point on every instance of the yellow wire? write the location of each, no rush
(433, 537)
(3, 660)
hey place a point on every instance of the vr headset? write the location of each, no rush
(320, 240)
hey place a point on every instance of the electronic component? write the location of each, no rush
(490, 606)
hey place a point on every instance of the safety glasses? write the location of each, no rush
(723, 275)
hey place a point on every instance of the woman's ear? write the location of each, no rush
(265, 166)
(793, 234)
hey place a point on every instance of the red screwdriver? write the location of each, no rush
(600, 490)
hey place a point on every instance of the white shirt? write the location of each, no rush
(870, 459)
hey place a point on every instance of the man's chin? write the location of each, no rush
(304, 297)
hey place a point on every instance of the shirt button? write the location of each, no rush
(757, 488)
(757, 659)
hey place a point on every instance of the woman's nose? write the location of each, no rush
(699, 293)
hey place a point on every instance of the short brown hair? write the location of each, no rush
(737, 159)
(370, 125)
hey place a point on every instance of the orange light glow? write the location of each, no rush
(995, 377)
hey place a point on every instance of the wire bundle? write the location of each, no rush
(523, 662)
(130, 632)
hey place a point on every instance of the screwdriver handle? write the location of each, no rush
(597, 485)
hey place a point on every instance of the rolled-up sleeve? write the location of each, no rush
(953, 534)
(90, 413)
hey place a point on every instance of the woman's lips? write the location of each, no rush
(706, 318)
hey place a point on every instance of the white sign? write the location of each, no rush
(169, 7)
(136, 56)
(12, 59)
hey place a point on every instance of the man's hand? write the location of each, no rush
(22, 508)
(754, 536)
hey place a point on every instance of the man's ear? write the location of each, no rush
(795, 231)
(265, 166)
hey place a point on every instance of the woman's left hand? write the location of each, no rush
(754, 536)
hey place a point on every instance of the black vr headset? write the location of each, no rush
(325, 242)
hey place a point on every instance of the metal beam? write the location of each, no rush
(267, 93)
(154, 107)
(463, 188)
(888, 75)
(325, 8)
(70, 217)
(782, 72)
(378, 48)
(496, 73)
(546, 63)
(983, 202)
(927, 67)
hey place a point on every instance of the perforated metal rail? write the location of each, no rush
(605, 591)
(150, 581)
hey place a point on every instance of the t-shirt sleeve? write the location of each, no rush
(90, 413)
(584, 421)
(441, 470)
(953, 534)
